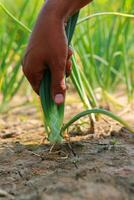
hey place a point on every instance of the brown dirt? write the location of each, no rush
(91, 166)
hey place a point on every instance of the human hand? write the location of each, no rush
(48, 48)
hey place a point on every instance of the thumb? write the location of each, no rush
(58, 86)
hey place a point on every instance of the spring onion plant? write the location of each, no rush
(53, 114)
(12, 39)
(91, 71)
(104, 46)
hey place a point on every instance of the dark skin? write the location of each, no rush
(48, 46)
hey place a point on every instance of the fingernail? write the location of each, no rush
(59, 98)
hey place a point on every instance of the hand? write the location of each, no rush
(48, 48)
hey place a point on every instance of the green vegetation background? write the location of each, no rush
(103, 48)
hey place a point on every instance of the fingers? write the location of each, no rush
(58, 86)
(33, 70)
(58, 70)
(70, 52)
(69, 62)
(58, 78)
(68, 68)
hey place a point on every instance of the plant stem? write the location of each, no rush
(101, 111)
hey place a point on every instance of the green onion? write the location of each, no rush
(53, 114)
(11, 51)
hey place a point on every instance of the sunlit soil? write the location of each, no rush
(87, 165)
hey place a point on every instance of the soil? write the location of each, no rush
(88, 166)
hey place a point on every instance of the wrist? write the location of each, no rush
(62, 9)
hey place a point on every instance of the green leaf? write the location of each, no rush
(99, 111)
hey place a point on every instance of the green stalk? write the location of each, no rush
(9, 85)
(100, 111)
(126, 72)
(89, 90)
(23, 26)
(77, 81)
(103, 14)
(54, 114)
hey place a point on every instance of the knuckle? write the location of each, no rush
(70, 52)
(59, 64)
(63, 87)
(26, 71)
(69, 63)
(59, 86)
(27, 66)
